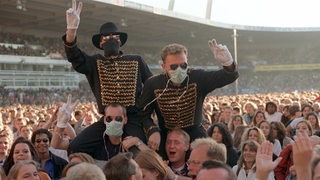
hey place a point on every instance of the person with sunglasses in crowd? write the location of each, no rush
(113, 76)
(178, 94)
(49, 162)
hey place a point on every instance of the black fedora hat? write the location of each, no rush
(106, 29)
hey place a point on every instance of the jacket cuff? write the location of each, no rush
(69, 44)
(151, 130)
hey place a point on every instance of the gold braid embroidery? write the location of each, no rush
(178, 114)
(118, 82)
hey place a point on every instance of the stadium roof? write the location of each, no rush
(145, 27)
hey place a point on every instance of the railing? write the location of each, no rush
(39, 79)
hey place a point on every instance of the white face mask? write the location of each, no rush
(114, 128)
(178, 76)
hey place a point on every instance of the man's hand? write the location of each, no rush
(264, 161)
(64, 113)
(73, 15)
(154, 140)
(221, 53)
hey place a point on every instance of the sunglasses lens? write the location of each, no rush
(174, 66)
(108, 118)
(119, 118)
(43, 140)
(184, 66)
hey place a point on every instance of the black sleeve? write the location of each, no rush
(146, 108)
(77, 57)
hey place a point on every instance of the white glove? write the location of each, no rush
(64, 113)
(73, 15)
(221, 53)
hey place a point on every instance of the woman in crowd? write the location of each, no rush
(236, 121)
(283, 170)
(24, 169)
(313, 119)
(220, 134)
(151, 164)
(266, 128)
(253, 133)
(285, 115)
(258, 117)
(246, 168)
(21, 149)
(278, 131)
(249, 109)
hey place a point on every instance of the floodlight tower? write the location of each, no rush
(235, 35)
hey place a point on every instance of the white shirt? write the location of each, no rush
(276, 147)
(294, 122)
(251, 175)
(242, 173)
(273, 117)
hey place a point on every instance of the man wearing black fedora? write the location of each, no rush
(113, 77)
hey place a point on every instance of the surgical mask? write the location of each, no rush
(114, 128)
(111, 47)
(178, 75)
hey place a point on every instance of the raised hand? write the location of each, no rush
(302, 149)
(220, 52)
(264, 161)
(73, 15)
(64, 113)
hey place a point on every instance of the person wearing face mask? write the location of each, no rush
(178, 94)
(111, 141)
(113, 76)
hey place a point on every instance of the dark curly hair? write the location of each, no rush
(226, 136)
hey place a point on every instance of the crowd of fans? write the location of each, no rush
(237, 126)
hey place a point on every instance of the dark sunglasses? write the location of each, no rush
(175, 66)
(117, 118)
(43, 140)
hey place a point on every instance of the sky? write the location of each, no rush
(265, 13)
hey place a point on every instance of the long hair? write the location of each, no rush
(231, 125)
(254, 121)
(151, 161)
(226, 136)
(253, 145)
(238, 135)
(269, 137)
(281, 131)
(317, 126)
(9, 161)
(245, 135)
